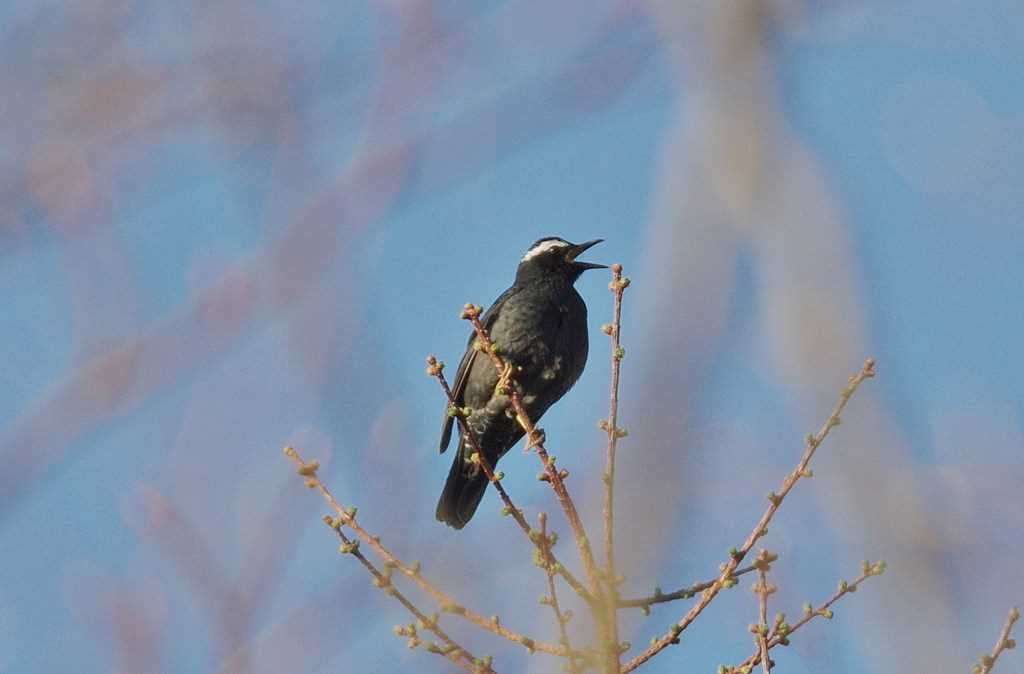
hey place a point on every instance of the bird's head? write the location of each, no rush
(552, 256)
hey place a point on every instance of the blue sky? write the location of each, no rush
(231, 228)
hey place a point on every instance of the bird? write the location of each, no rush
(539, 326)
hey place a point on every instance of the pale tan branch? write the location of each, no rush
(610, 425)
(382, 580)
(535, 439)
(435, 368)
(781, 630)
(346, 517)
(659, 597)
(761, 528)
(987, 662)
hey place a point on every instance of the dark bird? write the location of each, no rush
(540, 326)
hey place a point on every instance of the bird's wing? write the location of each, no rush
(466, 364)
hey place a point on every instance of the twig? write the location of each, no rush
(347, 518)
(763, 589)
(781, 631)
(435, 368)
(1004, 643)
(645, 603)
(618, 285)
(535, 438)
(550, 567)
(451, 650)
(761, 528)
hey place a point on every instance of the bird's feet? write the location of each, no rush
(537, 437)
(505, 379)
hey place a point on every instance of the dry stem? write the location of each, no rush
(435, 368)
(1004, 642)
(760, 529)
(781, 631)
(618, 285)
(645, 603)
(347, 518)
(452, 650)
(763, 589)
(550, 567)
(535, 438)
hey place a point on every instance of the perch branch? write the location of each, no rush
(535, 439)
(435, 368)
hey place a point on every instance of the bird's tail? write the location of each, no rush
(462, 492)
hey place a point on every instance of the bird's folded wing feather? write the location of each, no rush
(466, 364)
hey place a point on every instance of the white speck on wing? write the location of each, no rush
(550, 373)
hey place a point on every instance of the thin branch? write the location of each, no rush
(762, 589)
(1004, 643)
(781, 631)
(347, 517)
(761, 528)
(451, 650)
(762, 640)
(645, 603)
(550, 567)
(618, 285)
(535, 439)
(435, 368)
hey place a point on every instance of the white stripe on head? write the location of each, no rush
(544, 246)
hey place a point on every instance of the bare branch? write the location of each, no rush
(781, 631)
(347, 517)
(535, 439)
(761, 528)
(451, 650)
(435, 368)
(762, 589)
(618, 285)
(561, 617)
(645, 603)
(987, 662)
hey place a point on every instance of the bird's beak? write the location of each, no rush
(578, 249)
